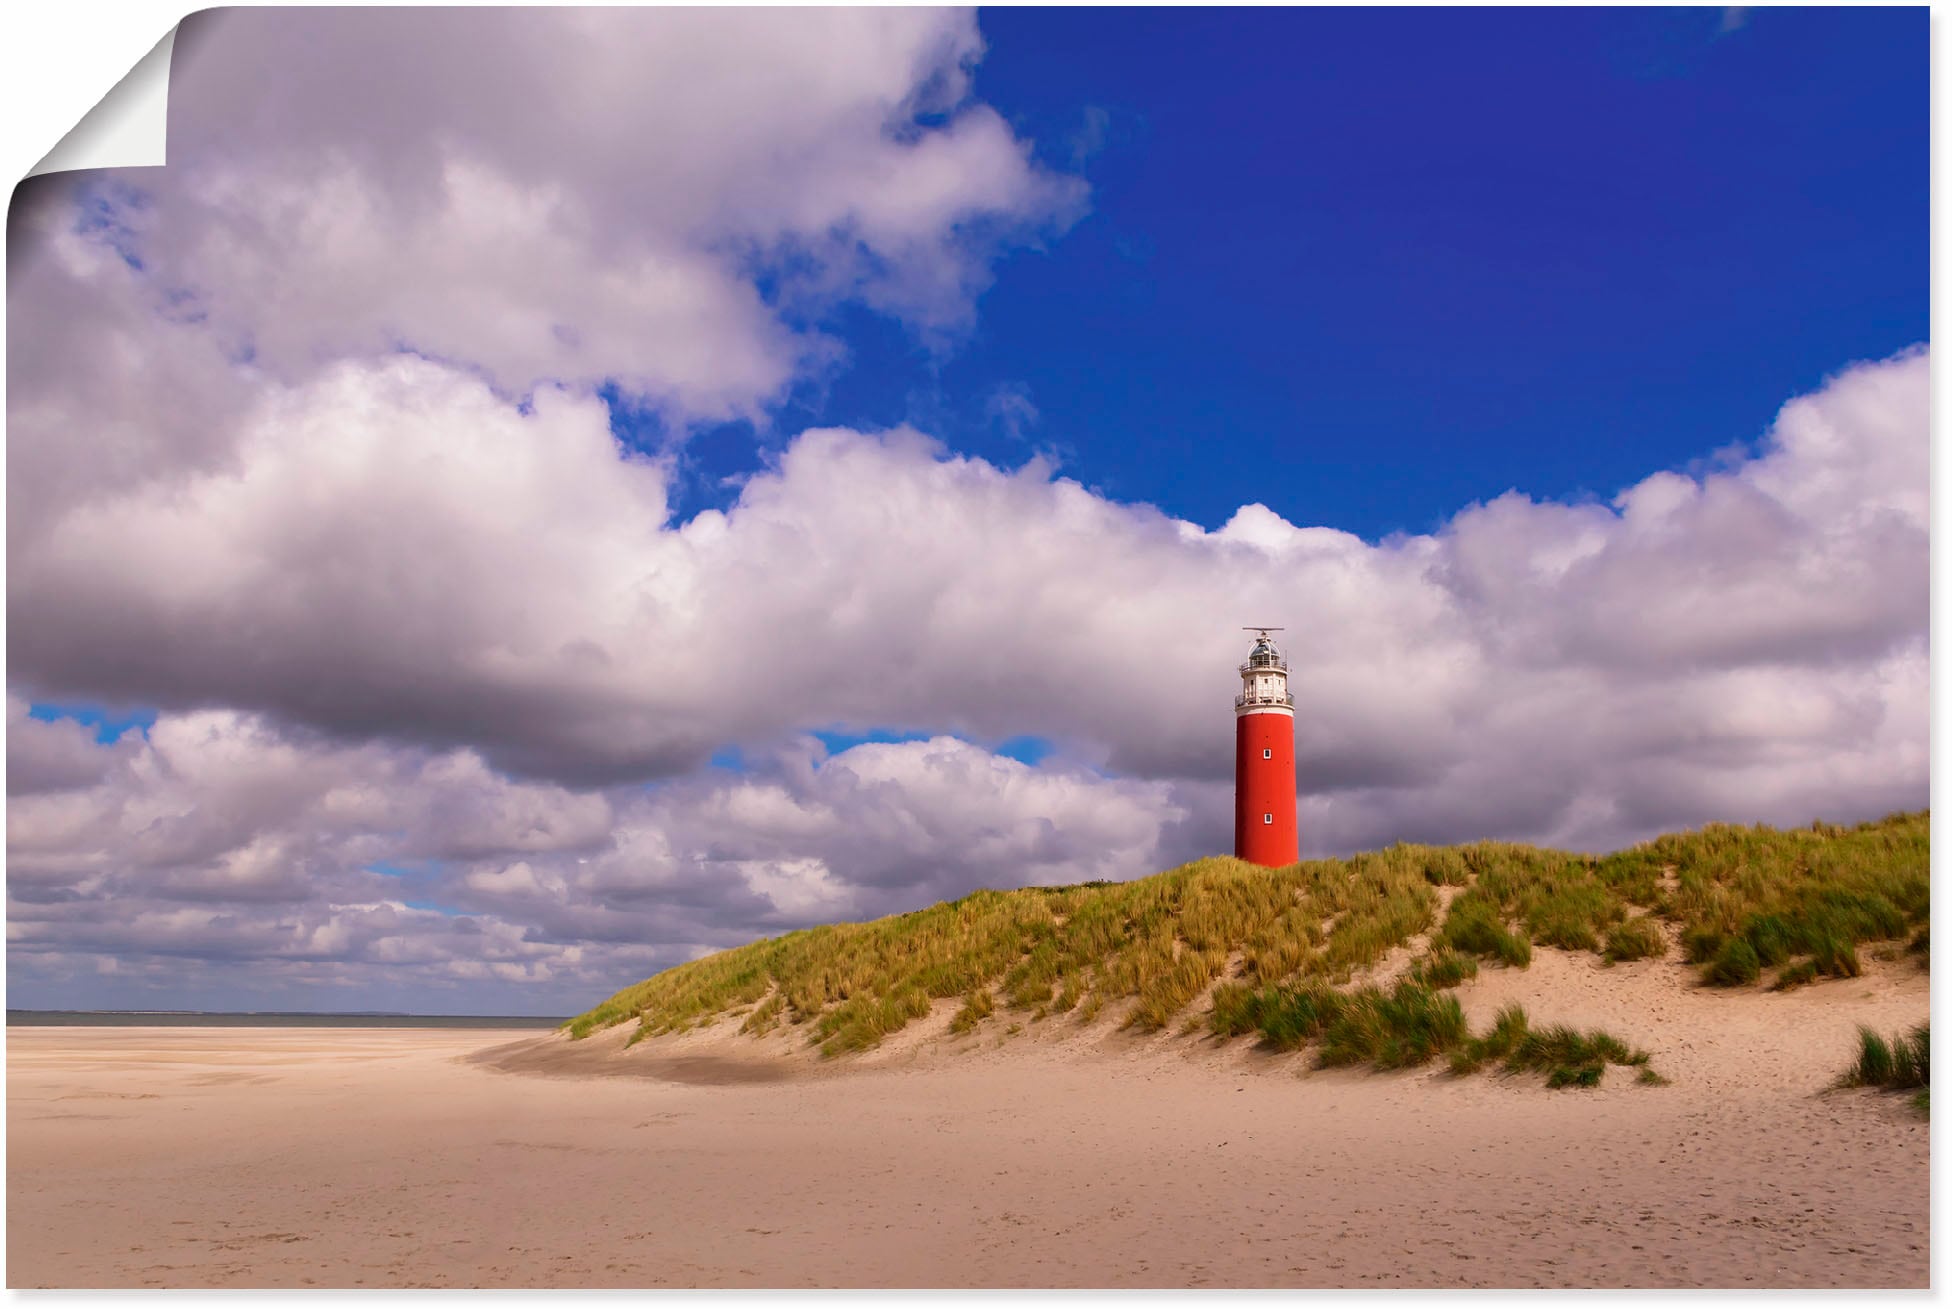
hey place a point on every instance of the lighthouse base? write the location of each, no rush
(1264, 790)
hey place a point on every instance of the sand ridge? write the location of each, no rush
(1058, 1156)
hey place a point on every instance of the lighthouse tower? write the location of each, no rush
(1264, 758)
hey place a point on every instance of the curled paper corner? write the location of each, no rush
(128, 127)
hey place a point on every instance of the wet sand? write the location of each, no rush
(267, 1157)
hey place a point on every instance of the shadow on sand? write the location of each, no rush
(555, 1055)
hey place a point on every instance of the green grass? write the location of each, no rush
(1812, 894)
(1287, 1017)
(1443, 967)
(1735, 964)
(1508, 1029)
(1567, 1056)
(1402, 1027)
(1474, 927)
(764, 1016)
(1636, 938)
(1900, 1063)
(1411, 1024)
(860, 1022)
(1270, 943)
(1572, 1058)
(1399, 1028)
(980, 1005)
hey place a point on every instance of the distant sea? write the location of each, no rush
(190, 1018)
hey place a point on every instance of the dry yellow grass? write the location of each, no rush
(1800, 899)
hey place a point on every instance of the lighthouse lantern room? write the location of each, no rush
(1264, 758)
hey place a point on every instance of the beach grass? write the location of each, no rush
(1899, 1063)
(1568, 1057)
(1636, 938)
(1508, 1029)
(1443, 967)
(1270, 944)
(1403, 1027)
(980, 1005)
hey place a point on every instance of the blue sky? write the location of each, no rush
(1369, 266)
(107, 724)
(353, 665)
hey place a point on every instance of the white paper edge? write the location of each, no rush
(128, 127)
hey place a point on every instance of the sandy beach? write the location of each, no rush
(1055, 1157)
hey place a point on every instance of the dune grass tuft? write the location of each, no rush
(1410, 1024)
(1235, 1010)
(1289, 1016)
(1636, 938)
(980, 1005)
(861, 1022)
(1734, 964)
(1567, 1056)
(1900, 1063)
(764, 1016)
(1508, 1029)
(1443, 967)
(1474, 927)
(1399, 1028)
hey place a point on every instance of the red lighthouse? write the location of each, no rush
(1264, 758)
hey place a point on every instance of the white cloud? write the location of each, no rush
(50, 756)
(673, 202)
(669, 199)
(221, 841)
(217, 804)
(396, 552)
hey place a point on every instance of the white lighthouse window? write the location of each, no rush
(1267, 754)
(1267, 818)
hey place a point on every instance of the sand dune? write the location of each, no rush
(254, 1157)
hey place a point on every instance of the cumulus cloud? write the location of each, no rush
(668, 199)
(221, 842)
(221, 805)
(54, 755)
(397, 552)
(668, 202)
